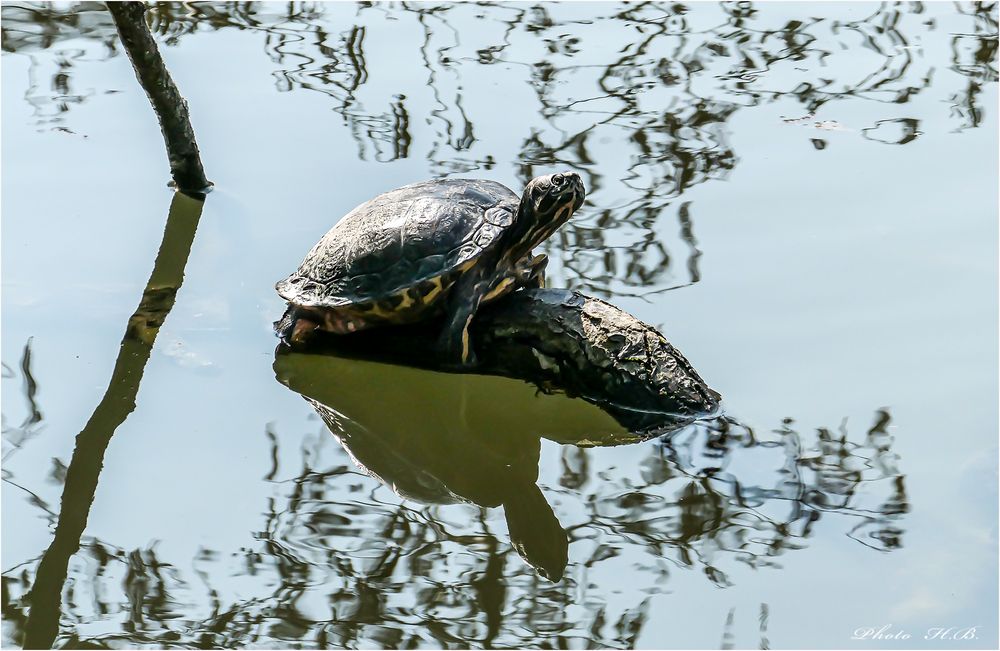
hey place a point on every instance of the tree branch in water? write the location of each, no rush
(170, 108)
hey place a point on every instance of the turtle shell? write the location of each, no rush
(400, 239)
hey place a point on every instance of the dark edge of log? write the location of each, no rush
(559, 340)
(171, 109)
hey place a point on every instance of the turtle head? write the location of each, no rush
(547, 202)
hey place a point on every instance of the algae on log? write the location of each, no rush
(170, 108)
(559, 340)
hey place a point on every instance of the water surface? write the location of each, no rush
(803, 198)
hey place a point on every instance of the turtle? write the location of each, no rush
(439, 246)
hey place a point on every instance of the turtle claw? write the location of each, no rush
(460, 366)
(456, 359)
(536, 272)
(470, 360)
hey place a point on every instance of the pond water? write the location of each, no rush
(802, 198)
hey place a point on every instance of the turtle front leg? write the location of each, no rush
(474, 289)
(455, 343)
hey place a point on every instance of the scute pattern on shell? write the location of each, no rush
(399, 239)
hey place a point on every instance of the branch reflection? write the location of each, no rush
(83, 472)
(336, 535)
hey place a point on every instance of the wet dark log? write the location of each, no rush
(561, 341)
(170, 108)
(592, 349)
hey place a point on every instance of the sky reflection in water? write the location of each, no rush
(802, 196)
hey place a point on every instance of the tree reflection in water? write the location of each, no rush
(678, 76)
(341, 560)
(344, 562)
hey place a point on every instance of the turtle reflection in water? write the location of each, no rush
(477, 438)
(444, 245)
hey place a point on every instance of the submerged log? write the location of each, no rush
(561, 341)
(171, 109)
